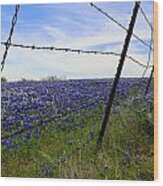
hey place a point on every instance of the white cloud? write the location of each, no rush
(38, 64)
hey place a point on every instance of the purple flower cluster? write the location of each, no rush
(29, 105)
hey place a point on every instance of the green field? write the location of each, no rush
(127, 151)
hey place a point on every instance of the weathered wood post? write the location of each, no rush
(117, 77)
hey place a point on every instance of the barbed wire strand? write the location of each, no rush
(79, 51)
(151, 40)
(147, 20)
(120, 25)
(149, 56)
(8, 43)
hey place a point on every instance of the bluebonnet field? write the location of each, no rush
(50, 129)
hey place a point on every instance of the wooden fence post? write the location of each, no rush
(117, 77)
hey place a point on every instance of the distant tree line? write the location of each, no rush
(54, 78)
(3, 79)
(49, 78)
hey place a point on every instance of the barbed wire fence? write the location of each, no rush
(78, 51)
(120, 25)
(151, 39)
(118, 74)
(8, 43)
(134, 35)
(123, 55)
(149, 53)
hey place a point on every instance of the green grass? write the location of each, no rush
(126, 153)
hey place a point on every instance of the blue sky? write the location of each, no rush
(75, 25)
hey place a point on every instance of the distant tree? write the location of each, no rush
(3, 79)
(52, 78)
(23, 79)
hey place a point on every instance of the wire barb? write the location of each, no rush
(8, 42)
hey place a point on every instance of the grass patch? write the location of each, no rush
(126, 153)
